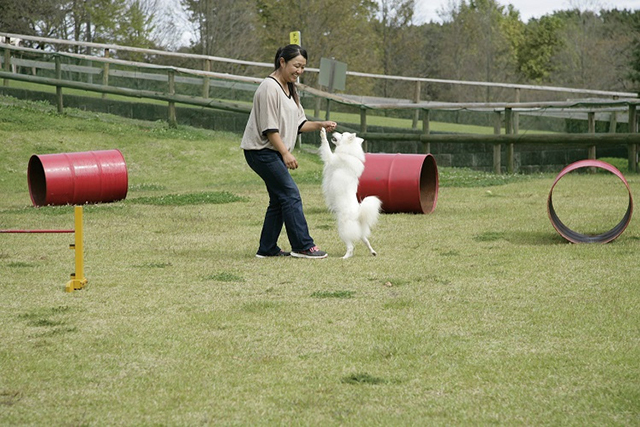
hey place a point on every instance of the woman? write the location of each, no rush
(269, 138)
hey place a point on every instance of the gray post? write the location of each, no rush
(633, 148)
(172, 105)
(426, 129)
(508, 125)
(416, 99)
(497, 148)
(59, 88)
(105, 72)
(7, 60)
(205, 80)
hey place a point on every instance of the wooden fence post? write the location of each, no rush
(327, 114)
(516, 115)
(416, 99)
(205, 80)
(363, 119)
(173, 122)
(426, 129)
(59, 88)
(497, 148)
(613, 122)
(363, 126)
(316, 111)
(105, 72)
(591, 123)
(7, 60)
(90, 64)
(508, 127)
(633, 148)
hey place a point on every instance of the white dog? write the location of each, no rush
(342, 170)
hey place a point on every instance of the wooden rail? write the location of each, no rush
(536, 139)
(205, 79)
(134, 93)
(590, 140)
(416, 80)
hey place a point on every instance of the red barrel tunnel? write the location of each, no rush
(403, 182)
(577, 237)
(77, 178)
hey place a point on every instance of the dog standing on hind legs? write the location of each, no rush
(342, 170)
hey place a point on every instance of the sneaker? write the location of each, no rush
(311, 253)
(281, 253)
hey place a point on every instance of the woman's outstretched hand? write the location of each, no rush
(329, 126)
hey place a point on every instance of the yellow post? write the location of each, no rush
(78, 281)
(295, 37)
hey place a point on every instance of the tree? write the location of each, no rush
(137, 26)
(130, 22)
(596, 49)
(478, 45)
(224, 27)
(105, 17)
(429, 39)
(540, 43)
(92, 20)
(49, 19)
(622, 27)
(395, 41)
(17, 17)
(339, 29)
(634, 73)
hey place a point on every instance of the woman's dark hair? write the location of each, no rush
(288, 53)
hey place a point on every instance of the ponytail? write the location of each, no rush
(277, 61)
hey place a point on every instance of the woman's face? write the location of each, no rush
(293, 69)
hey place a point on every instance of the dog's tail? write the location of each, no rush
(369, 211)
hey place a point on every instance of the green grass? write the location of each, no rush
(479, 313)
(217, 197)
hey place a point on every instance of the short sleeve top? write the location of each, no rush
(273, 111)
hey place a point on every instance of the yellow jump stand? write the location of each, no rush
(78, 281)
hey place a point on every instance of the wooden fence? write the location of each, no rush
(50, 67)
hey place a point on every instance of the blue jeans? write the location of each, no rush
(285, 203)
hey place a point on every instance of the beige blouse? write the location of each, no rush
(273, 111)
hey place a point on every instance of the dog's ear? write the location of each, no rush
(355, 139)
(347, 137)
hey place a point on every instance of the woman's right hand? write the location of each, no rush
(290, 161)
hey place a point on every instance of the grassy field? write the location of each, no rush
(479, 313)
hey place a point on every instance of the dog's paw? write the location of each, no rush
(323, 137)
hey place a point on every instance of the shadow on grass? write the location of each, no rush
(333, 294)
(215, 197)
(363, 378)
(49, 321)
(257, 307)
(225, 277)
(530, 238)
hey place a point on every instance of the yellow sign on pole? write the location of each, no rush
(295, 38)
